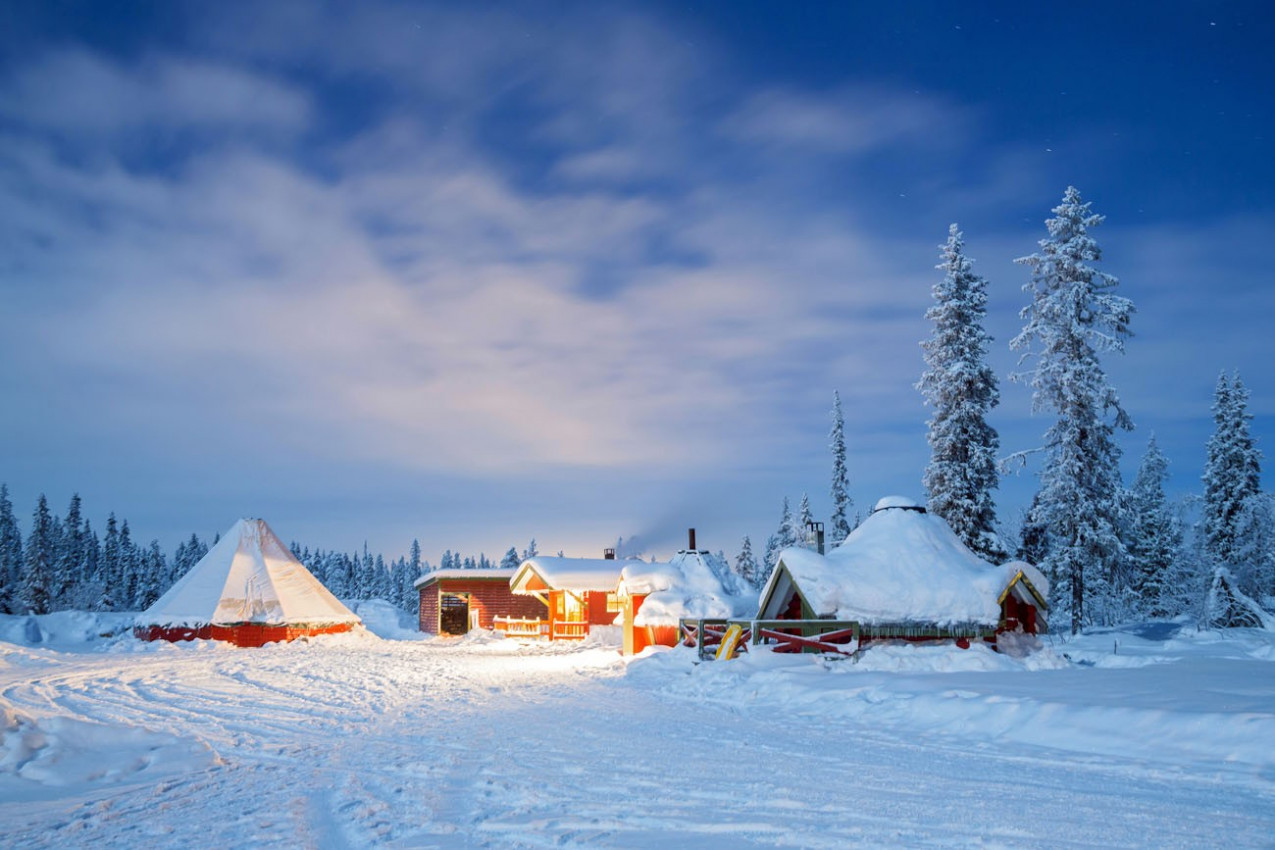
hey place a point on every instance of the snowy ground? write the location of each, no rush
(359, 741)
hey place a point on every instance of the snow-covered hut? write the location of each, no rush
(454, 601)
(694, 584)
(579, 592)
(904, 574)
(248, 590)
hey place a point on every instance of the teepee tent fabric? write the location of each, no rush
(249, 589)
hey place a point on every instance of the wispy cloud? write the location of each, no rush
(76, 91)
(851, 120)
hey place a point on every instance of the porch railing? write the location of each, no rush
(569, 630)
(521, 627)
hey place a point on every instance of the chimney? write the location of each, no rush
(608, 554)
(690, 533)
(814, 536)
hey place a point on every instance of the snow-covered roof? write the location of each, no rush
(692, 584)
(492, 573)
(901, 564)
(1009, 570)
(575, 574)
(249, 576)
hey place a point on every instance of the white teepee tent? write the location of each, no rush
(249, 590)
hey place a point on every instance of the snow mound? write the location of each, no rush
(65, 751)
(947, 693)
(692, 584)
(949, 658)
(387, 621)
(65, 630)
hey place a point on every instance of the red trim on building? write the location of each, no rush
(243, 634)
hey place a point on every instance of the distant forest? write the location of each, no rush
(63, 564)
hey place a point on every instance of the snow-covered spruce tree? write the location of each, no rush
(37, 582)
(1072, 318)
(1232, 475)
(839, 529)
(1255, 552)
(68, 571)
(130, 567)
(784, 537)
(787, 533)
(961, 388)
(511, 561)
(152, 576)
(110, 567)
(87, 594)
(11, 569)
(1153, 536)
(804, 518)
(746, 563)
(531, 550)
(769, 558)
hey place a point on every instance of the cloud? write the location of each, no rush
(75, 91)
(435, 315)
(852, 120)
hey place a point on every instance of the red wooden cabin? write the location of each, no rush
(455, 601)
(579, 593)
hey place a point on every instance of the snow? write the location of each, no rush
(249, 576)
(901, 564)
(1154, 735)
(575, 574)
(887, 502)
(686, 587)
(386, 620)
(476, 573)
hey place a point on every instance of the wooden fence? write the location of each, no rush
(839, 637)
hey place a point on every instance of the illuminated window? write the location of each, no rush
(613, 603)
(574, 607)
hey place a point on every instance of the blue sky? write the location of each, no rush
(476, 272)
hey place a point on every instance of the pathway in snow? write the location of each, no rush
(361, 743)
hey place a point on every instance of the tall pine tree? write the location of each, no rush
(746, 564)
(1073, 317)
(1154, 536)
(1232, 474)
(961, 388)
(37, 583)
(111, 568)
(804, 519)
(11, 567)
(840, 525)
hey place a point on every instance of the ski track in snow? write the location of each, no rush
(365, 743)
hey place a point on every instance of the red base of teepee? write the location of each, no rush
(244, 634)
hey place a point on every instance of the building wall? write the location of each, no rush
(596, 613)
(490, 598)
(638, 638)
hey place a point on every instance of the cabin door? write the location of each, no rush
(453, 614)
